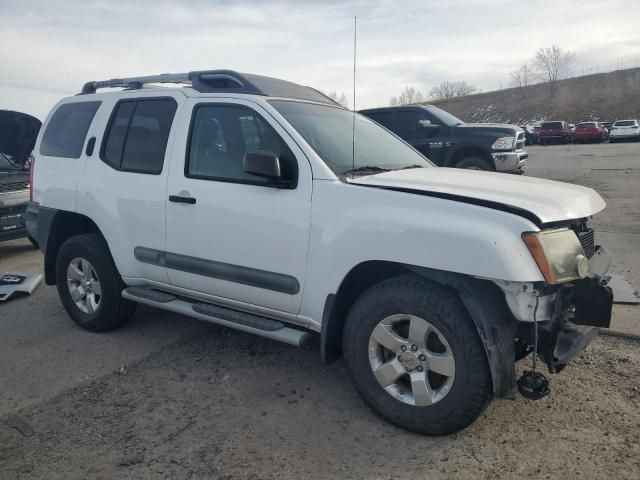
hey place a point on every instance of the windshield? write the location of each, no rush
(587, 125)
(445, 117)
(328, 130)
(551, 126)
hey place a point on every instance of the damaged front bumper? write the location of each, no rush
(567, 317)
(583, 309)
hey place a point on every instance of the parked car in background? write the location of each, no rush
(625, 130)
(530, 135)
(572, 131)
(555, 132)
(449, 142)
(18, 132)
(592, 132)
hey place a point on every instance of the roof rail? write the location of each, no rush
(135, 82)
(218, 81)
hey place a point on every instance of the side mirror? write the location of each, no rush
(427, 125)
(265, 164)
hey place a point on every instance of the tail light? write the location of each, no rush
(32, 167)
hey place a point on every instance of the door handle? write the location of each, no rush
(181, 199)
(90, 144)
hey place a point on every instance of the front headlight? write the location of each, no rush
(558, 254)
(503, 143)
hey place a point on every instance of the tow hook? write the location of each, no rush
(533, 385)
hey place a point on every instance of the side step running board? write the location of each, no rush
(246, 322)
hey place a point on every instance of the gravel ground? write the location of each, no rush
(221, 405)
(170, 397)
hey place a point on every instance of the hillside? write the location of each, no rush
(603, 96)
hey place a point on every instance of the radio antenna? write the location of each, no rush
(353, 125)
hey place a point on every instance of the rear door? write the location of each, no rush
(124, 186)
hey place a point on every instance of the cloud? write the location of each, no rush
(50, 48)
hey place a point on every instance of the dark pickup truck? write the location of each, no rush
(18, 132)
(449, 142)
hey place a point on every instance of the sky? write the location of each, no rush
(49, 48)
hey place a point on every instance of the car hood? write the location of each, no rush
(542, 201)
(490, 127)
(18, 132)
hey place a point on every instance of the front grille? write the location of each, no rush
(587, 241)
(13, 187)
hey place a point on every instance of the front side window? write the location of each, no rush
(220, 137)
(329, 131)
(137, 135)
(383, 118)
(440, 117)
(66, 131)
(408, 124)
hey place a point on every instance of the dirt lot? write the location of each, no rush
(170, 397)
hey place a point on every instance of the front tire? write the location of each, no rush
(89, 284)
(474, 163)
(415, 356)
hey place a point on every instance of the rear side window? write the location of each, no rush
(66, 131)
(137, 135)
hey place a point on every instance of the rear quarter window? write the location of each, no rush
(67, 129)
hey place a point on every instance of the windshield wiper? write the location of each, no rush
(367, 169)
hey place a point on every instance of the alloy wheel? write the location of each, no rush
(411, 360)
(84, 285)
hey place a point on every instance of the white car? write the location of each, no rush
(625, 130)
(248, 202)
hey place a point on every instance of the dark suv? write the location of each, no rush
(555, 132)
(449, 142)
(18, 132)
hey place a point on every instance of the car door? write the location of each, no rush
(232, 234)
(123, 188)
(421, 132)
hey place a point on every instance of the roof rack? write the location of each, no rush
(218, 81)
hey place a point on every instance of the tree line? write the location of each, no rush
(550, 65)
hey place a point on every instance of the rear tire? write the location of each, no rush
(467, 386)
(474, 163)
(89, 284)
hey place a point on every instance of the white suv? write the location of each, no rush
(625, 130)
(262, 205)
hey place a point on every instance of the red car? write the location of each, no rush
(555, 132)
(589, 132)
